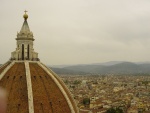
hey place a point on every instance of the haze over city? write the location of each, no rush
(79, 31)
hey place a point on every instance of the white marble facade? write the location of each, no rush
(24, 49)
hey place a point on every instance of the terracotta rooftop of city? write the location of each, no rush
(31, 86)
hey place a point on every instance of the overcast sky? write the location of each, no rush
(79, 31)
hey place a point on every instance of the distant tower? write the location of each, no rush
(24, 49)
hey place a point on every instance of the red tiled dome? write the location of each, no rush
(49, 93)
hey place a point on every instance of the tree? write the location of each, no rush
(86, 101)
(76, 82)
(113, 110)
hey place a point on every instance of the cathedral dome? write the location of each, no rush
(33, 87)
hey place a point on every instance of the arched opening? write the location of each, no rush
(18, 56)
(28, 51)
(22, 51)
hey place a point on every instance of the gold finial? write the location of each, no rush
(25, 16)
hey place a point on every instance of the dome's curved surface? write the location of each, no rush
(32, 87)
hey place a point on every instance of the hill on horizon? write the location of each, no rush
(113, 67)
(105, 68)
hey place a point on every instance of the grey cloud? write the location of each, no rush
(79, 31)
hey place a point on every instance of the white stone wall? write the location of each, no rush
(24, 37)
(18, 53)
